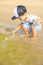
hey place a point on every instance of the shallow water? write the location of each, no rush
(5, 28)
(20, 50)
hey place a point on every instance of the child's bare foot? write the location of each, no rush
(33, 38)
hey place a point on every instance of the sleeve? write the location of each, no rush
(35, 17)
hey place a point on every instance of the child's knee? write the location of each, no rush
(20, 25)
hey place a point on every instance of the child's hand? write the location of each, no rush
(13, 32)
(38, 21)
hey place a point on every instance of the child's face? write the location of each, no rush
(23, 17)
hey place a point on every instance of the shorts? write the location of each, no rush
(28, 27)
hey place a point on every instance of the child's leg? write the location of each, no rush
(34, 32)
(25, 30)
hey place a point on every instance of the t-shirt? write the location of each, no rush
(32, 18)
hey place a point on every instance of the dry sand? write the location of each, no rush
(7, 7)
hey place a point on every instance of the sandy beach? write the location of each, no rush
(19, 50)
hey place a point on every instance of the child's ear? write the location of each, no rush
(26, 14)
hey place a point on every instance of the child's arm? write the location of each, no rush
(19, 26)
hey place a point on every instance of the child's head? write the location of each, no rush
(20, 12)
